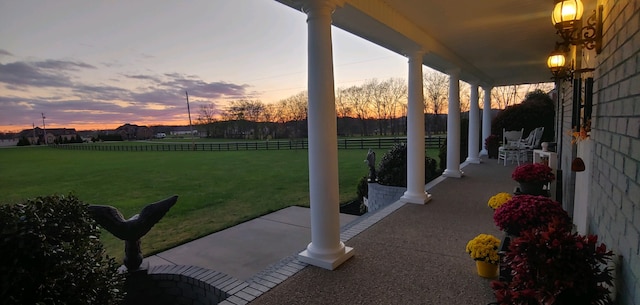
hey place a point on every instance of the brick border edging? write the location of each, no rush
(215, 284)
(277, 273)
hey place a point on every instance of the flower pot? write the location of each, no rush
(487, 270)
(492, 151)
(531, 188)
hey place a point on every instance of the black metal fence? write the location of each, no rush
(376, 143)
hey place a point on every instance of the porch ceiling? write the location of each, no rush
(492, 42)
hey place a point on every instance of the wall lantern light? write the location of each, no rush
(566, 18)
(557, 63)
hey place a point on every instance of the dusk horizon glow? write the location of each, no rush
(100, 65)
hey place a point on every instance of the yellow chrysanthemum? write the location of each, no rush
(484, 247)
(499, 199)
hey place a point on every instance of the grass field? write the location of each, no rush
(216, 189)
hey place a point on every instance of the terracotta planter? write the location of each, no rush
(487, 270)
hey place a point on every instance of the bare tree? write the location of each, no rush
(465, 97)
(294, 108)
(343, 112)
(297, 106)
(359, 100)
(246, 114)
(268, 117)
(206, 117)
(343, 108)
(436, 88)
(545, 87)
(397, 89)
(379, 101)
(505, 96)
(249, 110)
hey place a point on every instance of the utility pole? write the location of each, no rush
(193, 141)
(34, 133)
(44, 128)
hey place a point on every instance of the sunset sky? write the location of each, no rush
(88, 64)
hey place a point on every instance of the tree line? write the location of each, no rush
(375, 107)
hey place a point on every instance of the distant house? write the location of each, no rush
(182, 131)
(36, 135)
(134, 132)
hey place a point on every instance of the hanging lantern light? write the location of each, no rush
(566, 13)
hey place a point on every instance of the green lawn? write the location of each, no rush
(216, 189)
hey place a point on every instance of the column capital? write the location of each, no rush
(454, 72)
(412, 53)
(473, 82)
(309, 6)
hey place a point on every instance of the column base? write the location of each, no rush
(416, 198)
(452, 173)
(483, 153)
(329, 263)
(474, 160)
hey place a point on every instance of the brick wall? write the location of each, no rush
(614, 204)
(380, 196)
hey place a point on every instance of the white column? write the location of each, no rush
(325, 250)
(474, 126)
(486, 118)
(453, 126)
(415, 192)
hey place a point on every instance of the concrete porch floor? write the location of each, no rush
(412, 254)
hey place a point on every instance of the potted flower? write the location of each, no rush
(484, 250)
(554, 266)
(498, 199)
(525, 212)
(491, 144)
(532, 177)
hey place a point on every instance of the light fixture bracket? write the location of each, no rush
(588, 36)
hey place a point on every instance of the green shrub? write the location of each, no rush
(464, 145)
(363, 188)
(51, 254)
(23, 142)
(392, 170)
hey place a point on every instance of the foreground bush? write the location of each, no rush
(551, 265)
(51, 254)
(393, 167)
